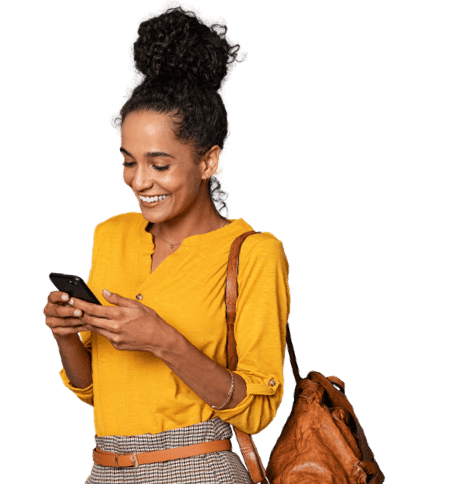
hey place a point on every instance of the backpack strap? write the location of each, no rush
(231, 295)
(248, 449)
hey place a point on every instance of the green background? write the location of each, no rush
(344, 144)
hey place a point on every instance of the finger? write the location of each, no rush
(55, 299)
(90, 308)
(64, 331)
(57, 322)
(110, 325)
(58, 296)
(61, 311)
(103, 332)
(49, 309)
(119, 300)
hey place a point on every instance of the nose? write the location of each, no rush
(143, 179)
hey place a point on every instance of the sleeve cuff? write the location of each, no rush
(84, 394)
(253, 414)
(254, 386)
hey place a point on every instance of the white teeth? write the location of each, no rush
(153, 199)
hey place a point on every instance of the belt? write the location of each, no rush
(112, 459)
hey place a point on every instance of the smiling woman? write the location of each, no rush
(152, 357)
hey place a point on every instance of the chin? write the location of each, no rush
(155, 218)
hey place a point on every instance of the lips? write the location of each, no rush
(149, 204)
(151, 196)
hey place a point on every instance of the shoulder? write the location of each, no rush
(262, 264)
(262, 247)
(261, 242)
(121, 223)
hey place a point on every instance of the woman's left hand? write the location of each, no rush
(129, 325)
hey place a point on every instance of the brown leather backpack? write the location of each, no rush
(322, 441)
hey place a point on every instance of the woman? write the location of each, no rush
(152, 358)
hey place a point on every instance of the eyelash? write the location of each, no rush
(159, 168)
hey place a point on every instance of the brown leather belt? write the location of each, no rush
(111, 459)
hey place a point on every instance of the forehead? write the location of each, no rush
(146, 128)
(146, 132)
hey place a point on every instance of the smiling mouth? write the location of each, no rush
(152, 200)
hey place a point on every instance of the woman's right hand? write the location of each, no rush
(61, 317)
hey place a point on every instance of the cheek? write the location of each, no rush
(192, 186)
(188, 183)
(168, 180)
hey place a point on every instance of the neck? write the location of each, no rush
(202, 219)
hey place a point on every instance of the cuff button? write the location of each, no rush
(272, 383)
(139, 297)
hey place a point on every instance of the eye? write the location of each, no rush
(159, 168)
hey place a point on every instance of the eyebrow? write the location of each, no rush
(150, 154)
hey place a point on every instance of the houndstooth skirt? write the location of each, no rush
(223, 467)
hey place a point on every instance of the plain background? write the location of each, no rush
(344, 143)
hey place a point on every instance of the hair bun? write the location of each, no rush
(178, 46)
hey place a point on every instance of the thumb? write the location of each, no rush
(115, 298)
(118, 300)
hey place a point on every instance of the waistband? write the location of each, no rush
(211, 430)
(134, 459)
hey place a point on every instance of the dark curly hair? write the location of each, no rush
(184, 63)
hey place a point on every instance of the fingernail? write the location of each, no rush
(77, 312)
(71, 302)
(108, 293)
(64, 297)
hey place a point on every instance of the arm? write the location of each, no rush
(75, 354)
(76, 373)
(204, 376)
(262, 311)
(76, 360)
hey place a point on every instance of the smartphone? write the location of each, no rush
(74, 286)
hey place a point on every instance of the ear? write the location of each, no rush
(210, 162)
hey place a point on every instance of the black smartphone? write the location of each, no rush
(74, 286)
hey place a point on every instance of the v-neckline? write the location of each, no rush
(162, 260)
(149, 224)
(148, 246)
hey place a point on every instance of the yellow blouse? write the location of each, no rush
(134, 392)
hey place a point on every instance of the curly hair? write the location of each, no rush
(184, 63)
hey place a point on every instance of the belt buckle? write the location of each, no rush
(134, 460)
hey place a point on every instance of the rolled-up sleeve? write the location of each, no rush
(262, 312)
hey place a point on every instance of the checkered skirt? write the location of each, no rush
(223, 467)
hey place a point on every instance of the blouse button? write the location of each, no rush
(272, 383)
(139, 297)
